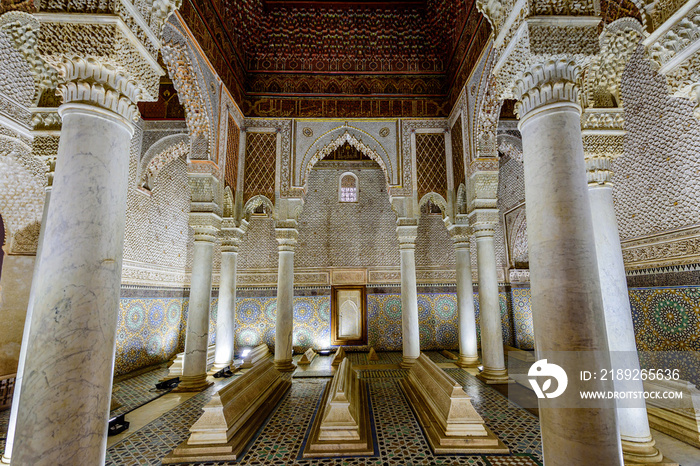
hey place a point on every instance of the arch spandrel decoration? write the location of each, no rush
(160, 154)
(359, 139)
(257, 201)
(436, 199)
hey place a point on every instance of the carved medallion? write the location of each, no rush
(384, 132)
(308, 132)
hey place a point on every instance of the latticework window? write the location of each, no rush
(348, 188)
(260, 160)
(430, 164)
(457, 154)
(231, 173)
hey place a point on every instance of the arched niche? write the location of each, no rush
(335, 138)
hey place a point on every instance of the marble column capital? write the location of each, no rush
(116, 63)
(461, 235)
(206, 226)
(286, 238)
(543, 84)
(483, 222)
(231, 235)
(407, 235)
(89, 80)
(603, 136)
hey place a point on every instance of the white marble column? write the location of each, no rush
(468, 351)
(638, 446)
(566, 298)
(226, 314)
(492, 358)
(66, 388)
(410, 333)
(287, 240)
(14, 408)
(194, 366)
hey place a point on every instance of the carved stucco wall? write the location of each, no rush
(21, 204)
(335, 234)
(433, 244)
(259, 248)
(511, 184)
(158, 237)
(656, 181)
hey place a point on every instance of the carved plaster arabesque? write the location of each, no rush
(338, 142)
(22, 29)
(181, 71)
(160, 154)
(674, 49)
(602, 77)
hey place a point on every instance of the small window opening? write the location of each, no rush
(348, 188)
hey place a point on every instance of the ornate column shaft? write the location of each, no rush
(232, 237)
(601, 147)
(194, 368)
(70, 348)
(483, 222)
(566, 298)
(407, 231)
(287, 234)
(468, 348)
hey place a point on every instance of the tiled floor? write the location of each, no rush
(400, 439)
(136, 391)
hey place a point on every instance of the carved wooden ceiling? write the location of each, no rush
(325, 58)
(359, 58)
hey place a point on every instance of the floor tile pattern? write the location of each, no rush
(138, 390)
(518, 429)
(393, 357)
(401, 441)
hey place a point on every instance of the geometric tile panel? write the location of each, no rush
(149, 331)
(522, 319)
(430, 164)
(668, 319)
(437, 320)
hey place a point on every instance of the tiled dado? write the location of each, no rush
(665, 319)
(151, 322)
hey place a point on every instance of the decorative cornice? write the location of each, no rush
(671, 248)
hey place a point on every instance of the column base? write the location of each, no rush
(407, 362)
(285, 365)
(4, 460)
(494, 376)
(218, 366)
(193, 383)
(467, 361)
(642, 453)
